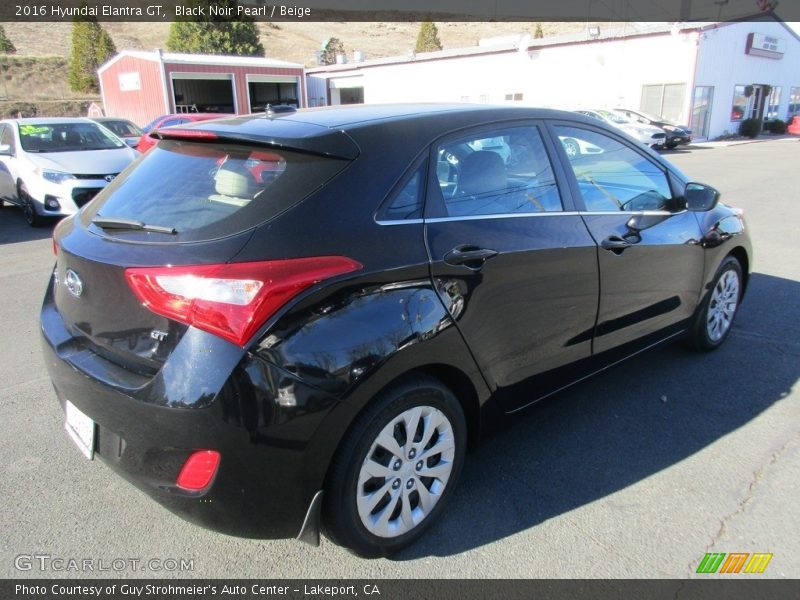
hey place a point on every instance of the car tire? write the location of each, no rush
(382, 491)
(28, 208)
(671, 145)
(571, 148)
(715, 315)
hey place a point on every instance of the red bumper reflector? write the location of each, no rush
(198, 470)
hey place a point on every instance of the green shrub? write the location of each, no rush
(776, 126)
(750, 128)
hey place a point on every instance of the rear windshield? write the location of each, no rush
(206, 191)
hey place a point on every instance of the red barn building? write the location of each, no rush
(141, 86)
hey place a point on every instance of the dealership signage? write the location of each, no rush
(766, 46)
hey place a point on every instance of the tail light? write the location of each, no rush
(185, 134)
(198, 470)
(231, 300)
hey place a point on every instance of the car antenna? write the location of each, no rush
(270, 111)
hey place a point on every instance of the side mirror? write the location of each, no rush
(700, 197)
(5, 150)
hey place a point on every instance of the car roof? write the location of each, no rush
(331, 130)
(109, 119)
(195, 115)
(354, 115)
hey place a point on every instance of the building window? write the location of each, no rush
(794, 102)
(484, 98)
(513, 97)
(739, 102)
(464, 98)
(774, 102)
(665, 100)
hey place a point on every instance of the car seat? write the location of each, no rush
(234, 184)
(481, 179)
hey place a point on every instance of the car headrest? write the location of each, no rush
(482, 172)
(72, 138)
(235, 180)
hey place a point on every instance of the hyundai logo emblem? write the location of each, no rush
(109, 178)
(73, 283)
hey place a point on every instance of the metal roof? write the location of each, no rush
(200, 59)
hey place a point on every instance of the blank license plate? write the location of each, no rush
(81, 429)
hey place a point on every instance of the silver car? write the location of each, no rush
(52, 167)
(646, 134)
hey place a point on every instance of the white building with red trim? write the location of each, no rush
(708, 76)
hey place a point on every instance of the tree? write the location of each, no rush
(5, 44)
(428, 38)
(216, 34)
(538, 33)
(331, 49)
(91, 47)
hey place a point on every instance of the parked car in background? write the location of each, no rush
(650, 136)
(794, 125)
(271, 325)
(676, 134)
(52, 167)
(148, 139)
(122, 128)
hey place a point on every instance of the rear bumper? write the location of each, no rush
(262, 420)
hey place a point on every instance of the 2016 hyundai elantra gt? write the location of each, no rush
(281, 323)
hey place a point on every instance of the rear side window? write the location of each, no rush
(505, 171)
(205, 191)
(406, 203)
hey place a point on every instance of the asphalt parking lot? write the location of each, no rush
(636, 473)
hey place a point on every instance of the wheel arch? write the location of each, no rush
(740, 254)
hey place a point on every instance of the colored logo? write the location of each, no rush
(734, 562)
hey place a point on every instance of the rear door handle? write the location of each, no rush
(615, 244)
(469, 256)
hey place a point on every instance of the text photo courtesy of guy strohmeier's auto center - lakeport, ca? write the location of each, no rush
(376, 297)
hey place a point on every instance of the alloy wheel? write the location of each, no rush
(722, 307)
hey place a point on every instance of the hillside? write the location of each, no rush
(38, 71)
(295, 41)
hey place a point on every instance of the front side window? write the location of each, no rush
(7, 137)
(505, 171)
(613, 177)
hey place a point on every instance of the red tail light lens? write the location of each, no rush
(198, 470)
(231, 300)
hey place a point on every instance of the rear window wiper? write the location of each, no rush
(130, 224)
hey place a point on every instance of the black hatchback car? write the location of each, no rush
(283, 323)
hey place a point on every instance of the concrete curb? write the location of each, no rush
(725, 144)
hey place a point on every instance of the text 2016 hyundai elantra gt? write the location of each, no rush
(301, 320)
